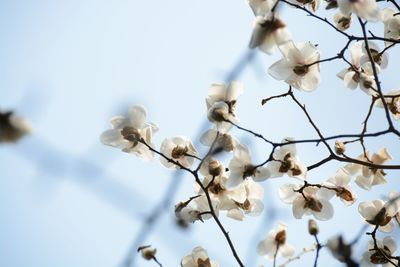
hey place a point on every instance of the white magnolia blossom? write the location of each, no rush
(367, 176)
(298, 66)
(13, 127)
(311, 4)
(268, 33)
(392, 25)
(360, 73)
(372, 257)
(286, 162)
(379, 212)
(147, 252)
(179, 149)
(241, 167)
(393, 103)
(253, 202)
(275, 243)
(221, 104)
(261, 7)
(127, 133)
(312, 201)
(342, 21)
(366, 9)
(340, 182)
(198, 258)
(212, 167)
(225, 141)
(380, 59)
(196, 209)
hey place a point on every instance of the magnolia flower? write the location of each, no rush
(195, 209)
(198, 258)
(128, 133)
(340, 250)
(393, 103)
(310, 200)
(286, 162)
(342, 21)
(275, 244)
(366, 9)
(221, 104)
(241, 167)
(373, 257)
(299, 66)
(212, 167)
(380, 59)
(252, 204)
(368, 176)
(340, 184)
(261, 7)
(179, 149)
(392, 25)
(311, 4)
(268, 33)
(225, 141)
(12, 127)
(378, 212)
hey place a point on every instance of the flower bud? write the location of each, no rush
(148, 253)
(313, 227)
(340, 148)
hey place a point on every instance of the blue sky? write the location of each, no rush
(68, 66)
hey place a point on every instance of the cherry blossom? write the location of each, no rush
(309, 201)
(298, 66)
(179, 149)
(286, 162)
(241, 167)
(275, 243)
(269, 32)
(127, 133)
(198, 258)
(366, 9)
(373, 257)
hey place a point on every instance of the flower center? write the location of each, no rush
(131, 134)
(249, 170)
(300, 70)
(179, 152)
(313, 204)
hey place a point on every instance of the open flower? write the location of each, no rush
(340, 184)
(269, 32)
(379, 58)
(195, 209)
(12, 127)
(373, 257)
(377, 212)
(342, 21)
(241, 167)
(275, 243)
(367, 176)
(127, 133)
(225, 141)
(392, 25)
(393, 103)
(198, 258)
(286, 162)
(299, 66)
(261, 7)
(310, 201)
(366, 9)
(221, 104)
(179, 149)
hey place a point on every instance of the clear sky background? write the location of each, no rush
(69, 66)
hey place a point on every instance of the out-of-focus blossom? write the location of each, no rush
(366, 9)
(261, 7)
(373, 257)
(179, 149)
(127, 133)
(13, 127)
(342, 21)
(392, 25)
(223, 141)
(298, 66)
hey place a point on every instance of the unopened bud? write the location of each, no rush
(340, 148)
(147, 252)
(313, 227)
